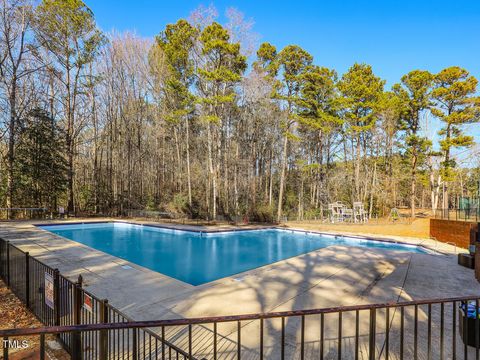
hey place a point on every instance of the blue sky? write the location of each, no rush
(393, 36)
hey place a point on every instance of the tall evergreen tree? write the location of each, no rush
(361, 91)
(455, 105)
(266, 56)
(318, 99)
(414, 95)
(220, 68)
(319, 121)
(177, 42)
(67, 29)
(291, 63)
(41, 166)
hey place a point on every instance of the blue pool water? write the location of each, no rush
(199, 258)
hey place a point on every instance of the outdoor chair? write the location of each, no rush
(359, 213)
(339, 212)
(348, 214)
(335, 210)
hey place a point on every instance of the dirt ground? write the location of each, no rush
(13, 314)
(404, 227)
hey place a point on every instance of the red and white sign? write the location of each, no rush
(49, 291)
(87, 302)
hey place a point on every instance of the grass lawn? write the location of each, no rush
(418, 228)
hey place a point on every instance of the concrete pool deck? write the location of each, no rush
(332, 276)
(336, 275)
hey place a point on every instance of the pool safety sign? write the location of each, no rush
(87, 302)
(49, 291)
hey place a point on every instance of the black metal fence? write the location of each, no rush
(462, 209)
(57, 301)
(429, 329)
(24, 213)
(458, 214)
(90, 328)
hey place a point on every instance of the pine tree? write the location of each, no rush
(41, 166)
(291, 63)
(318, 125)
(455, 105)
(361, 91)
(414, 95)
(67, 30)
(220, 69)
(177, 43)
(318, 99)
(266, 55)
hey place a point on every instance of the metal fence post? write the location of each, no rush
(103, 351)
(42, 346)
(56, 296)
(372, 334)
(8, 263)
(134, 344)
(2, 266)
(27, 279)
(77, 319)
(5, 348)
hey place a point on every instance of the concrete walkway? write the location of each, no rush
(331, 276)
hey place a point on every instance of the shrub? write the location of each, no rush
(263, 213)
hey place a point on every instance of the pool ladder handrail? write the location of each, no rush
(451, 243)
(454, 245)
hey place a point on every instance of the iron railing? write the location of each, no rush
(425, 329)
(459, 214)
(90, 328)
(23, 213)
(71, 305)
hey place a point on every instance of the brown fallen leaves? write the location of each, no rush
(14, 314)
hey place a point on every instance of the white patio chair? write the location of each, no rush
(335, 210)
(348, 214)
(359, 212)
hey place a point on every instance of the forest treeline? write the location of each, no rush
(200, 121)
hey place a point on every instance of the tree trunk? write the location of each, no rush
(11, 142)
(179, 184)
(187, 147)
(212, 172)
(95, 147)
(447, 167)
(282, 178)
(413, 185)
(357, 169)
(270, 179)
(70, 146)
(374, 180)
(300, 199)
(235, 180)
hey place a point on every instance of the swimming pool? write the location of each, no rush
(197, 258)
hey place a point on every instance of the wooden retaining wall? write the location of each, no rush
(457, 232)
